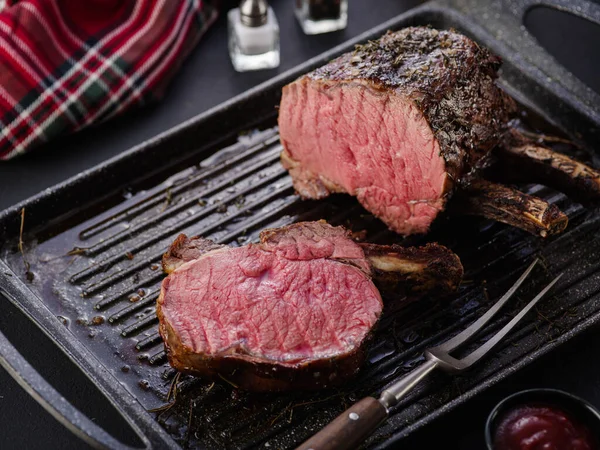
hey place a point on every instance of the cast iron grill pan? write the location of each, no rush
(96, 271)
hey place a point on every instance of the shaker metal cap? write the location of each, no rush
(253, 13)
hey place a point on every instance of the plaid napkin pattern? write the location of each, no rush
(66, 64)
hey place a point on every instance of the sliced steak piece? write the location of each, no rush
(294, 311)
(397, 123)
(288, 312)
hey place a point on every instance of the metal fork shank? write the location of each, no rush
(396, 391)
(476, 355)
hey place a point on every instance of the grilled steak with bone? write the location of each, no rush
(401, 123)
(294, 311)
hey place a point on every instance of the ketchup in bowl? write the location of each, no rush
(541, 427)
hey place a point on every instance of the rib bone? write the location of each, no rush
(431, 268)
(522, 159)
(510, 206)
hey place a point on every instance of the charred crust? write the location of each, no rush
(555, 219)
(184, 249)
(169, 259)
(448, 76)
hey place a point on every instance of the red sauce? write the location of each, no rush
(541, 428)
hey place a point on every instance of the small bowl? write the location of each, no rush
(578, 409)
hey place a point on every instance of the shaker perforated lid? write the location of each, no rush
(253, 13)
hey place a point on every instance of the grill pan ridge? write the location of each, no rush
(96, 271)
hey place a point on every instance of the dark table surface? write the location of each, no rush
(206, 80)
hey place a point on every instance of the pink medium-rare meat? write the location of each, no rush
(311, 240)
(397, 123)
(405, 189)
(293, 310)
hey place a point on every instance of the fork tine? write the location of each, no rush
(466, 334)
(481, 351)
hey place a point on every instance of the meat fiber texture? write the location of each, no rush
(398, 123)
(294, 310)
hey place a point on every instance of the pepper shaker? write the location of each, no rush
(322, 16)
(253, 36)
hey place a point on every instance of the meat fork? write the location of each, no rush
(355, 424)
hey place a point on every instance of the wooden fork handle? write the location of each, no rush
(350, 428)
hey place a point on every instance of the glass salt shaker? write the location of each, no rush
(253, 36)
(322, 16)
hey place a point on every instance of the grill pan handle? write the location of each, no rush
(52, 401)
(585, 9)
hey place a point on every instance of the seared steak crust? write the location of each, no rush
(508, 205)
(448, 76)
(414, 270)
(184, 249)
(522, 160)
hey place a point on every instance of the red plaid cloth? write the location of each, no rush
(65, 64)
